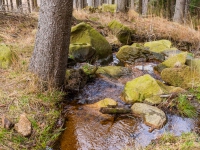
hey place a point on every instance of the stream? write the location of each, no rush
(88, 129)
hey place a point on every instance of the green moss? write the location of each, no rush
(122, 32)
(113, 71)
(105, 102)
(109, 8)
(6, 56)
(84, 33)
(158, 46)
(183, 77)
(179, 58)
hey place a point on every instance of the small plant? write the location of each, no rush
(185, 108)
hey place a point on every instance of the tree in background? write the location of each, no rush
(49, 59)
(179, 11)
(121, 5)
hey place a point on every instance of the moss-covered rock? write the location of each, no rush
(122, 32)
(183, 77)
(113, 71)
(7, 56)
(158, 46)
(84, 33)
(109, 8)
(81, 52)
(179, 58)
(131, 54)
(106, 102)
(146, 88)
(194, 64)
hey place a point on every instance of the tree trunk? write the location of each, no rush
(144, 7)
(179, 11)
(7, 5)
(140, 6)
(186, 11)
(121, 5)
(49, 59)
(11, 4)
(1, 3)
(132, 4)
(29, 6)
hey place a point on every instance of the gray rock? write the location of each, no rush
(152, 116)
(6, 123)
(23, 126)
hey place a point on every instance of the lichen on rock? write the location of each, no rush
(158, 46)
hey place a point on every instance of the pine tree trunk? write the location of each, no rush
(132, 4)
(121, 5)
(179, 11)
(49, 59)
(29, 6)
(1, 3)
(186, 11)
(11, 4)
(144, 7)
(140, 6)
(7, 5)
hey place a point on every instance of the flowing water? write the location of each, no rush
(88, 129)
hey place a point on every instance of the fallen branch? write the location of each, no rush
(107, 110)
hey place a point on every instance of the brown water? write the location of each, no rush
(88, 129)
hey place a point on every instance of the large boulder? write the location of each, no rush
(122, 32)
(158, 46)
(146, 88)
(184, 77)
(113, 71)
(7, 56)
(84, 33)
(152, 116)
(132, 54)
(109, 8)
(81, 52)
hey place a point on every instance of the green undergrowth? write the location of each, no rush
(168, 141)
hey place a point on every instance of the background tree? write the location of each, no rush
(121, 5)
(29, 6)
(179, 11)
(144, 7)
(49, 59)
(11, 4)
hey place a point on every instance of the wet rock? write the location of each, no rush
(84, 33)
(81, 52)
(113, 71)
(122, 32)
(23, 126)
(146, 88)
(6, 56)
(152, 116)
(89, 69)
(106, 102)
(130, 55)
(6, 123)
(158, 46)
(75, 79)
(183, 77)
(109, 8)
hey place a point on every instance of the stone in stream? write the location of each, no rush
(152, 116)
(106, 102)
(23, 126)
(84, 33)
(146, 88)
(131, 54)
(158, 46)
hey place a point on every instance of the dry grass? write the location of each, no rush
(20, 92)
(150, 28)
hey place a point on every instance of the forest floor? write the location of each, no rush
(20, 92)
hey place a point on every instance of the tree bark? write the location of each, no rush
(140, 7)
(11, 4)
(121, 5)
(7, 5)
(107, 110)
(132, 4)
(29, 6)
(179, 11)
(144, 7)
(49, 59)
